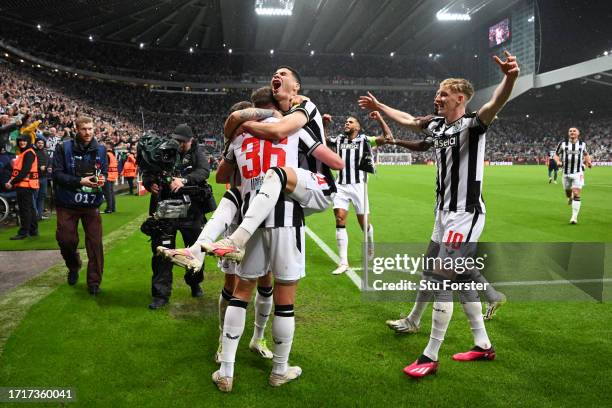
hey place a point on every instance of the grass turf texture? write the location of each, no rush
(128, 207)
(114, 351)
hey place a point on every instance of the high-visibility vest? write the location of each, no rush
(31, 179)
(113, 172)
(129, 167)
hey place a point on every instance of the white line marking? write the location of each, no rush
(334, 257)
(551, 282)
(359, 283)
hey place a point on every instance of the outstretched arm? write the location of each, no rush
(370, 102)
(502, 93)
(236, 118)
(420, 146)
(326, 155)
(276, 131)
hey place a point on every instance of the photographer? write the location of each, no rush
(79, 172)
(187, 179)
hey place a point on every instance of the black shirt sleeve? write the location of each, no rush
(200, 171)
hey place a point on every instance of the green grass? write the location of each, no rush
(115, 352)
(128, 207)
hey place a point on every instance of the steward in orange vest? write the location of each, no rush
(24, 179)
(129, 167)
(129, 171)
(113, 174)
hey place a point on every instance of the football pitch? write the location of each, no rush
(113, 351)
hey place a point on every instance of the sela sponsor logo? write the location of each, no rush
(350, 146)
(445, 141)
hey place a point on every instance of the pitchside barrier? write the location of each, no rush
(394, 159)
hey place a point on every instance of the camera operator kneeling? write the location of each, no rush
(184, 187)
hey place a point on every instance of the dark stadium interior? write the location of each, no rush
(341, 49)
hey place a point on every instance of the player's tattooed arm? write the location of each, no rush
(278, 130)
(237, 118)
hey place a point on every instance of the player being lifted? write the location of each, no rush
(552, 166)
(226, 216)
(279, 246)
(459, 142)
(350, 182)
(575, 157)
(311, 183)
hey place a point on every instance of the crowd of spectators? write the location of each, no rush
(151, 62)
(46, 112)
(47, 103)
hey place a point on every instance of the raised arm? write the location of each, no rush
(237, 118)
(387, 136)
(370, 102)
(511, 70)
(276, 131)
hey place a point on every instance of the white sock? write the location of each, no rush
(422, 298)
(224, 299)
(342, 241)
(575, 207)
(283, 328)
(220, 220)
(233, 328)
(473, 311)
(371, 233)
(263, 307)
(261, 206)
(440, 318)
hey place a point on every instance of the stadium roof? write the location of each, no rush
(325, 26)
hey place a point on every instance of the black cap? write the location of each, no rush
(182, 133)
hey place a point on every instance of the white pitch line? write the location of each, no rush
(359, 283)
(552, 282)
(334, 257)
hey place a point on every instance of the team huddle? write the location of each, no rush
(278, 166)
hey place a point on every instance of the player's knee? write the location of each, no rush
(340, 221)
(277, 173)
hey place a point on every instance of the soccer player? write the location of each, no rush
(278, 246)
(552, 166)
(351, 146)
(459, 140)
(310, 183)
(575, 157)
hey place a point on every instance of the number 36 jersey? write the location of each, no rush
(254, 157)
